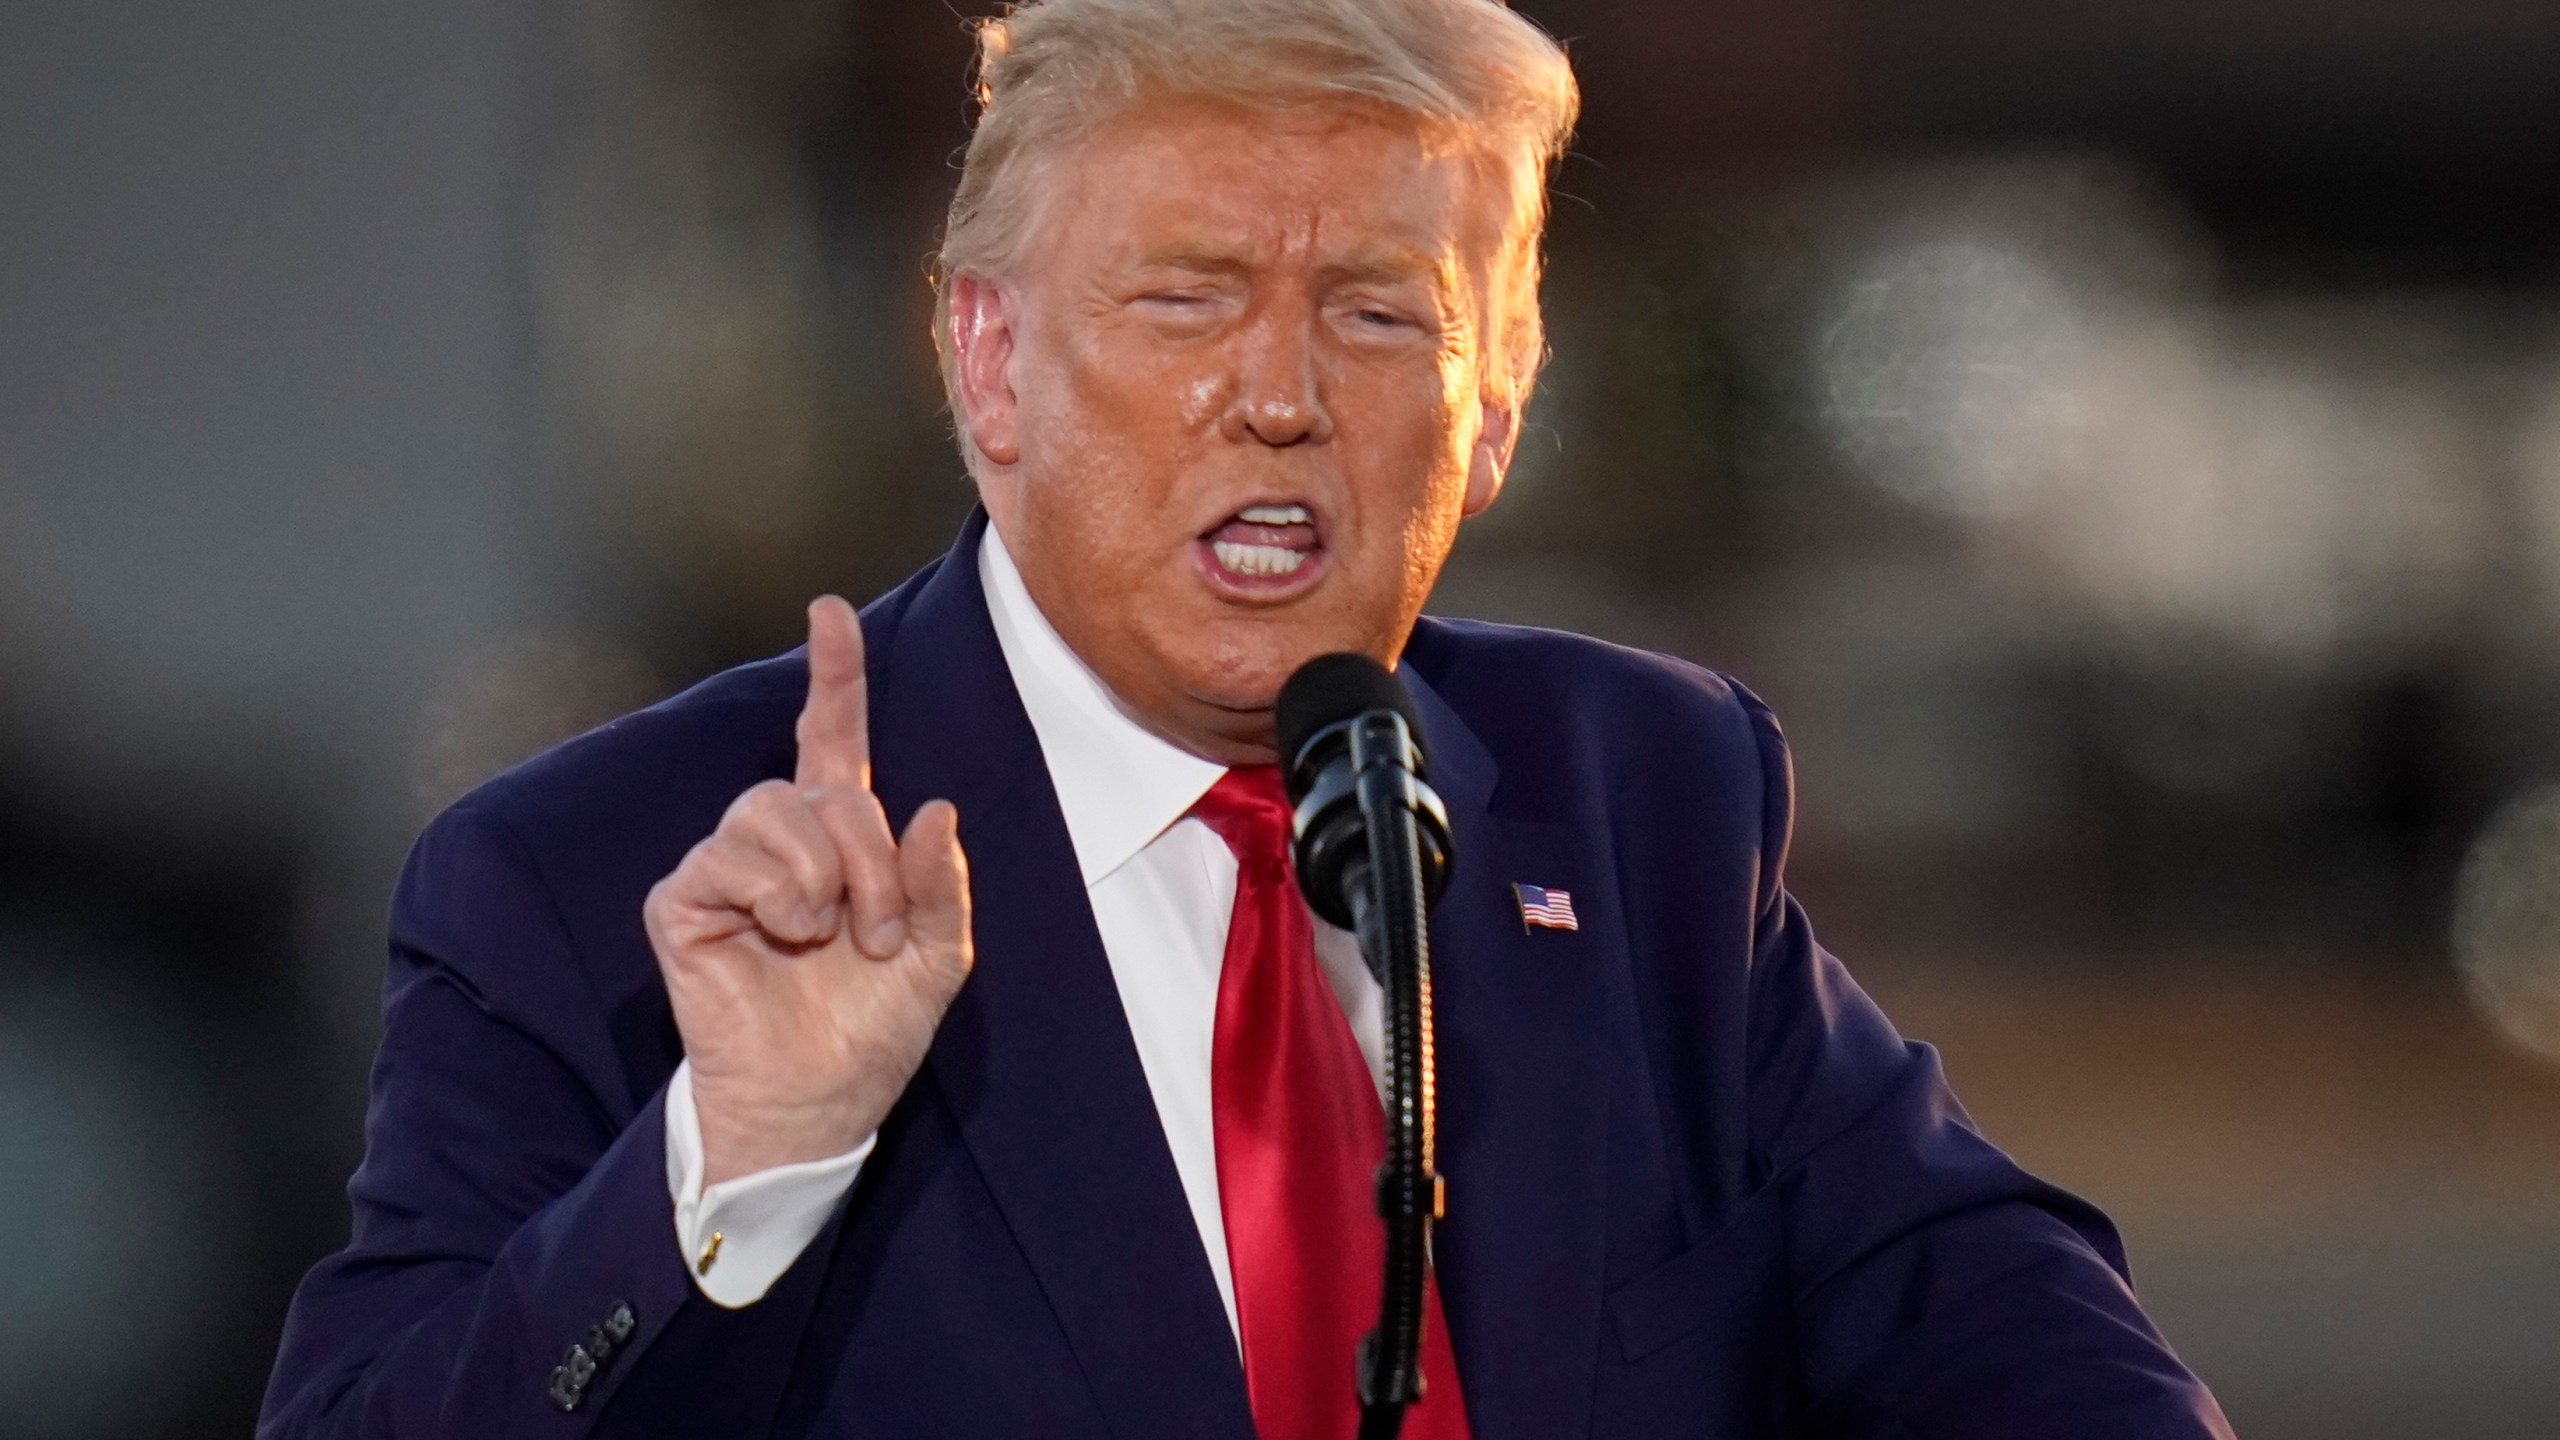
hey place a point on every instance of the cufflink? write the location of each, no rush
(710, 1252)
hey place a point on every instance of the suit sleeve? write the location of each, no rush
(513, 1267)
(1941, 1292)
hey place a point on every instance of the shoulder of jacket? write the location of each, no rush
(1654, 739)
(1638, 697)
(723, 725)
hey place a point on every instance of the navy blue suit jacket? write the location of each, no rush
(1697, 1184)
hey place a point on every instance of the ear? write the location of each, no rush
(982, 362)
(1491, 459)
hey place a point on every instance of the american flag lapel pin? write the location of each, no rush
(1547, 909)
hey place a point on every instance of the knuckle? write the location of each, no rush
(692, 873)
(763, 801)
(709, 860)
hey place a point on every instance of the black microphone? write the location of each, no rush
(1373, 853)
(1344, 721)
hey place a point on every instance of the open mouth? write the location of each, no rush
(1264, 549)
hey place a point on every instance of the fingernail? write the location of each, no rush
(823, 920)
(887, 937)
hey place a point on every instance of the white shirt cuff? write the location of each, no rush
(740, 1235)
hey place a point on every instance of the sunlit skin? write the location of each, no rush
(1228, 313)
(1229, 307)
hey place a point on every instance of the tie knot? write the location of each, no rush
(1250, 812)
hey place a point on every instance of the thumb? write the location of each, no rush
(936, 875)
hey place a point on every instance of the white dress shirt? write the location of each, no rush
(1162, 887)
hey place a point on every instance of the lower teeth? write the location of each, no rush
(1257, 559)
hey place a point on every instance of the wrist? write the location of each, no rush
(741, 1138)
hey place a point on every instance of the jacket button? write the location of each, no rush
(621, 1322)
(564, 1392)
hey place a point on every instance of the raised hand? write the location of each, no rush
(808, 952)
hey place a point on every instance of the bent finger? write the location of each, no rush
(758, 887)
(869, 852)
(778, 819)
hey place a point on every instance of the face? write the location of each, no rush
(1230, 411)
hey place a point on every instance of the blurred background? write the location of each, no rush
(2122, 441)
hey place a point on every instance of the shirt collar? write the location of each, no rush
(1119, 784)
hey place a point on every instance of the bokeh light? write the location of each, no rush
(2506, 923)
(114, 1170)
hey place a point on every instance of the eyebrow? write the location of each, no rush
(1208, 259)
(1386, 264)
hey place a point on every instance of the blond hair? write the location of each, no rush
(1050, 70)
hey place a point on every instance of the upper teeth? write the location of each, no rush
(1258, 559)
(1274, 515)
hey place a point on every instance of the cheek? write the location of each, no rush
(1106, 440)
(1417, 439)
(1203, 396)
(1144, 408)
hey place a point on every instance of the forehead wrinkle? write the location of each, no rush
(1370, 258)
(1285, 220)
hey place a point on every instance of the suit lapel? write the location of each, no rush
(1036, 1061)
(1035, 1057)
(1523, 1085)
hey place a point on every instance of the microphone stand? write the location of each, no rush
(1388, 913)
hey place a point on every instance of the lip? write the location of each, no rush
(1262, 589)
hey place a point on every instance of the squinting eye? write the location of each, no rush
(1380, 318)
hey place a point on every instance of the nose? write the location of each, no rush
(1278, 398)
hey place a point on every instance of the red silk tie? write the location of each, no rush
(1300, 1133)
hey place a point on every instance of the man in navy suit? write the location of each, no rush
(864, 1042)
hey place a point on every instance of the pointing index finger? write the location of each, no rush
(835, 721)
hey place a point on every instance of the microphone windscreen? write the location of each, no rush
(1337, 687)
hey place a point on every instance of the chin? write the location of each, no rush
(1244, 684)
(1232, 657)
(1251, 667)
